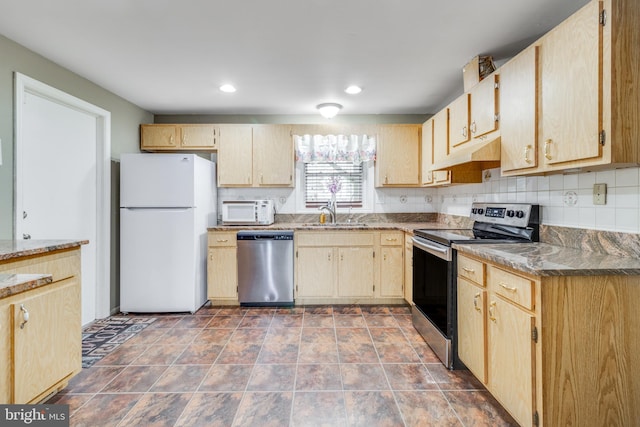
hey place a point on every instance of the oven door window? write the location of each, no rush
(430, 287)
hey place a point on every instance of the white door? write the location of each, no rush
(58, 178)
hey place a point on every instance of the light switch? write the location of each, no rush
(599, 194)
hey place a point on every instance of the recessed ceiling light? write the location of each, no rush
(227, 88)
(353, 90)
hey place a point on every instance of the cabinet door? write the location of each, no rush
(459, 122)
(484, 108)
(198, 136)
(398, 161)
(222, 274)
(158, 137)
(441, 135)
(518, 111)
(441, 177)
(47, 348)
(571, 89)
(472, 328)
(427, 152)
(235, 156)
(391, 271)
(355, 272)
(316, 272)
(5, 353)
(273, 156)
(511, 356)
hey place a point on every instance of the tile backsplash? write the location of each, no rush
(566, 200)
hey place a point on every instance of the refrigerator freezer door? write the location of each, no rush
(157, 180)
(158, 261)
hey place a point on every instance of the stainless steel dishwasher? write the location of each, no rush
(265, 267)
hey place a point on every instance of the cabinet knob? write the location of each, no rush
(468, 270)
(473, 127)
(171, 140)
(25, 316)
(464, 131)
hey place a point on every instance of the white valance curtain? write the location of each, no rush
(335, 148)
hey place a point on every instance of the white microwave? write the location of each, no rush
(248, 212)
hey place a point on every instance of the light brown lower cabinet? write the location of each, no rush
(222, 268)
(553, 350)
(42, 350)
(349, 267)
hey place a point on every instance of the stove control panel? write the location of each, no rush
(514, 214)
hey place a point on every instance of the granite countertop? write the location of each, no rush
(11, 284)
(10, 249)
(364, 226)
(542, 259)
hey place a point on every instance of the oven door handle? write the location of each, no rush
(443, 252)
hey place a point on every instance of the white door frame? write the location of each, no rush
(26, 85)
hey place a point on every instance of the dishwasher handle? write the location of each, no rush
(265, 235)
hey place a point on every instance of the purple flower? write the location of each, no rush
(334, 185)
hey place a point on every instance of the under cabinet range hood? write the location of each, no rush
(482, 155)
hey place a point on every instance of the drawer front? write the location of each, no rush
(391, 239)
(340, 238)
(222, 239)
(61, 265)
(513, 287)
(471, 269)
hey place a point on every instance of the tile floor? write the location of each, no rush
(301, 366)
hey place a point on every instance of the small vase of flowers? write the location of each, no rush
(334, 185)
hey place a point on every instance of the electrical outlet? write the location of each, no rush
(599, 194)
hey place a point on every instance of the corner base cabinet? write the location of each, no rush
(40, 329)
(553, 350)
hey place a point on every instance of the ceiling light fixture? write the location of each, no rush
(329, 109)
(228, 88)
(353, 90)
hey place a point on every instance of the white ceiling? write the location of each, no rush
(284, 56)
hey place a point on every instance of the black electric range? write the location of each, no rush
(434, 309)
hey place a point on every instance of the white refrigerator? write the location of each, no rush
(167, 201)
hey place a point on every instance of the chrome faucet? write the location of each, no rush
(331, 208)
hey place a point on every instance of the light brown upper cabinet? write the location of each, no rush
(484, 106)
(589, 68)
(459, 119)
(518, 116)
(398, 156)
(427, 153)
(255, 156)
(235, 156)
(571, 94)
(441, 135)
(273, 157)
(178, 137)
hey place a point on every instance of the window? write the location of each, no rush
(318, 176)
